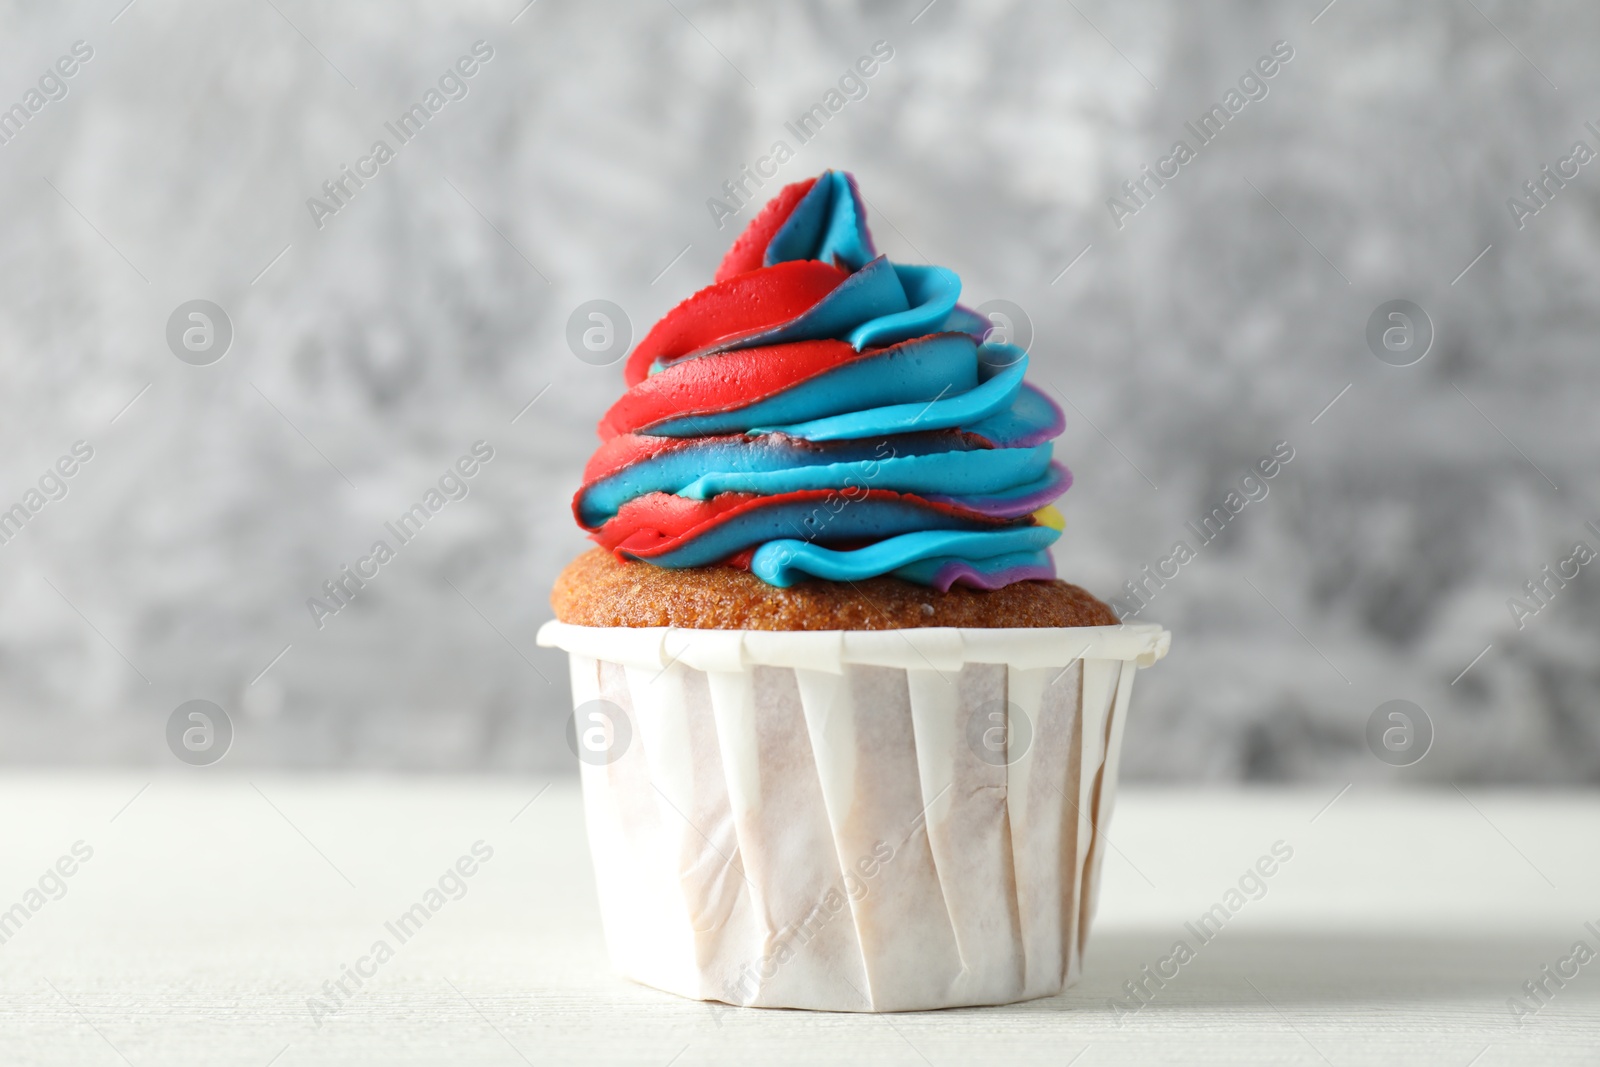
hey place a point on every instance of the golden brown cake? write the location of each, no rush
(596, 589)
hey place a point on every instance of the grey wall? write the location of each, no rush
(1219, 319)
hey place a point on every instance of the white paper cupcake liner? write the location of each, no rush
(850, 820)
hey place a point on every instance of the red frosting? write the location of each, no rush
(730, 310)
(725, 381)
(749, 251)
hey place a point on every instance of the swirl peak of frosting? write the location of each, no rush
(821, 412)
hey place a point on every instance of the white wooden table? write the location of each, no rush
(214, 907)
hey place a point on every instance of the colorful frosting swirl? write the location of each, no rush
(819, 411)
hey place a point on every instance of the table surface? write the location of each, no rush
(214, 908)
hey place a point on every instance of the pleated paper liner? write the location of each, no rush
(850, 820)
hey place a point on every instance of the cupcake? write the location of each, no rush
(846, 741)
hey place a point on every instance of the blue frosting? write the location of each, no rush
(942, 412)
(827, 224)
(915, 556)
(953, 474)
(819, 522)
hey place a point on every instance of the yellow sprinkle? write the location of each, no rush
(1049, 516)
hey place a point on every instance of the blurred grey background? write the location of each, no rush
(1222, 316)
